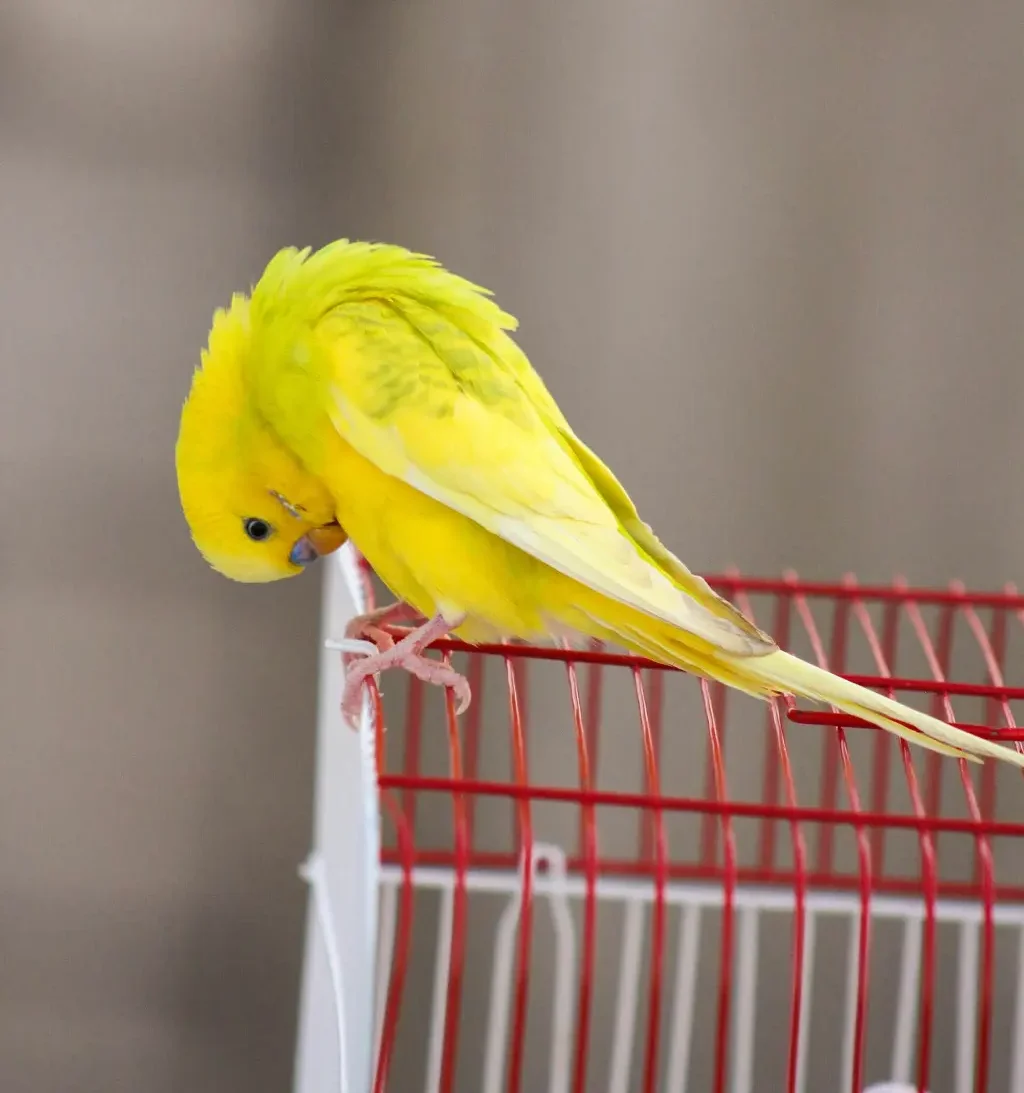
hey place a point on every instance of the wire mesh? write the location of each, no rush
(611, 875)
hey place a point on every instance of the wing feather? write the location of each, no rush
(428, 403)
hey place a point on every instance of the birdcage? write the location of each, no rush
(607, 875)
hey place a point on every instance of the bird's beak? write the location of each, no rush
(317, 541)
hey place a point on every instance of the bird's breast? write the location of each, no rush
(433, 557)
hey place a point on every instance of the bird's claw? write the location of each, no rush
(406, 654)
(369, 628)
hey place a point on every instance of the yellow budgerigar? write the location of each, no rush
(363, 391)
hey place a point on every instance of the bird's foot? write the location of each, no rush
(407, 654)
(369, 627)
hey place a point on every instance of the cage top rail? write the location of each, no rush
(849, 588)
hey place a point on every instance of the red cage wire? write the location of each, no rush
(889, 623)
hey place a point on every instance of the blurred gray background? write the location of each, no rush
(768, 257)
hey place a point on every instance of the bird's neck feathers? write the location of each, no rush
(226, 451)
(214, 416)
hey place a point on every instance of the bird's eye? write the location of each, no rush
(257, 529)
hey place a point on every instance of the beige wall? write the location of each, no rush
(778, 249)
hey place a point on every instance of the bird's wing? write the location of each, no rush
(461, 416)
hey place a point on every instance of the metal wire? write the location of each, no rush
(851, 798)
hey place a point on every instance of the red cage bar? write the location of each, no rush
(958, 651)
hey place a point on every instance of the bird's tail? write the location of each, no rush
(778, 673)
(787, 674)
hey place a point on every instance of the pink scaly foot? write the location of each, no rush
(369, 627)
(407, 654)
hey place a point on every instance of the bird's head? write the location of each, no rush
(254, 512)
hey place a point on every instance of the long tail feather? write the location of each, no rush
(777, 673)
(786, 673)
